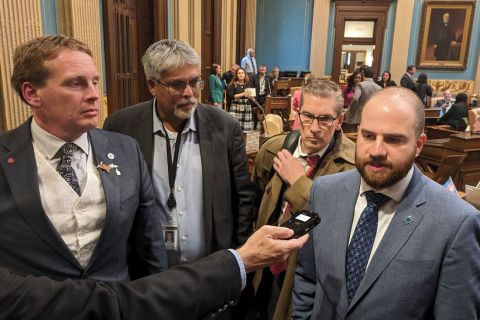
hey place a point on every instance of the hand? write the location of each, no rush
(268, 246)
(287, 167)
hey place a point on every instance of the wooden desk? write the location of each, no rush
(436, 150)
(439, 131)
(431, 121)
(432, 112)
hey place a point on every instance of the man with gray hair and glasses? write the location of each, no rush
(195, 154)
(284, 169)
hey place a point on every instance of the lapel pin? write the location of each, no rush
(108, 167)
(111, 156)
(408, 219)
(10, 160)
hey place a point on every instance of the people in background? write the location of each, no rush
(203, 288)
(240, 98)
(295, 102)
(262, 82)
(445, 103)
(283, 176)
(275, 74)
(407, 79)
(227, 77)
(386, 80)
(249, 63)
(76, 201)
(423, 90)
(389, 231)
(215, 85)
(349, 89)
(454, 116)
(195, 154)
(363, 90)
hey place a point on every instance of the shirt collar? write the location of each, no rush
(299, 153)
(395, 192)
(158, 127)
(48, 144)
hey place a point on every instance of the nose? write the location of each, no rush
(378, 149)
(92, 91)
(315, 127)
(188, 91)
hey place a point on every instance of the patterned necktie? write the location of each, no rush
(253, 66)
(64, 167)
(361, 244)
(312, 162)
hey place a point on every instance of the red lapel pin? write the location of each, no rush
(10, 160)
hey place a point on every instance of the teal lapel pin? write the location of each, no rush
(408, 219)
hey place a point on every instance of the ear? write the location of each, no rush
(420, 143)
(340, 118)
(152, 87)
(31, 95)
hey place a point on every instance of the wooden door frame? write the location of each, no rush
(368, 10)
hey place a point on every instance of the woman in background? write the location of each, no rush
(215, 85)
(386, 80)
(423, 89)
(295, 104)
(349, 89)
(240, 99)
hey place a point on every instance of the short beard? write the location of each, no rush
(380, 181)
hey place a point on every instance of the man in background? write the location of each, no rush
(249, 63)
(445, 103)
(407, 79)
(262, 83)
(76, 202)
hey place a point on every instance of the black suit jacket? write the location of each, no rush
(255, 83)
(454, 116)
(30, 244)
(407, 82)
(184, 292)
(227, 190)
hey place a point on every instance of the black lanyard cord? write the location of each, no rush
(172, 165)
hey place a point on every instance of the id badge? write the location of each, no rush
(170, 237)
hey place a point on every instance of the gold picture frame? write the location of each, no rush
(445, 34)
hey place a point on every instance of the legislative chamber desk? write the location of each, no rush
(445, 143)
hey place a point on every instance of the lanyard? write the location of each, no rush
(172, 165)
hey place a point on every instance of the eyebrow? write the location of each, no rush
(389, 135)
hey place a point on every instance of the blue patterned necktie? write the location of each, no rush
(361, 244)
(64, 167)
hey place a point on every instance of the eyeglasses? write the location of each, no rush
(179, 87)
(323, 121)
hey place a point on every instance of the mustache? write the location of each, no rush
(378, 161)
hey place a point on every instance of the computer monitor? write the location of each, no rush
(288, 74)
(304, 73)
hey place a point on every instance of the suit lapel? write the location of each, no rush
(342, 219)
(206, 140)
(397, 234)
(22, 178)
(101, 147)
(144, 132)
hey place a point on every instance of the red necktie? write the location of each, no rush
(312, 162)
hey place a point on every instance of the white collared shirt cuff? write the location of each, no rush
(241, 266)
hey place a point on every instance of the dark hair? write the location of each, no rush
(461, 97)
(368, 72)
(351, 79)
(410, 67)
(422, 78)
(389, 75)
(234, 80)
(213, 68)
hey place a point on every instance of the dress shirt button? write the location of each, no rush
(180, 213)
(185, 237)
(81, 233)
(83, 253)
(179, 189)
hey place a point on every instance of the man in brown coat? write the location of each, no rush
(283, 179)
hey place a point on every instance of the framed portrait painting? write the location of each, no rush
(445, 34)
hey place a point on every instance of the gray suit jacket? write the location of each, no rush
(426, 269)
(363, 91)
(30, 243)
(227, 190)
